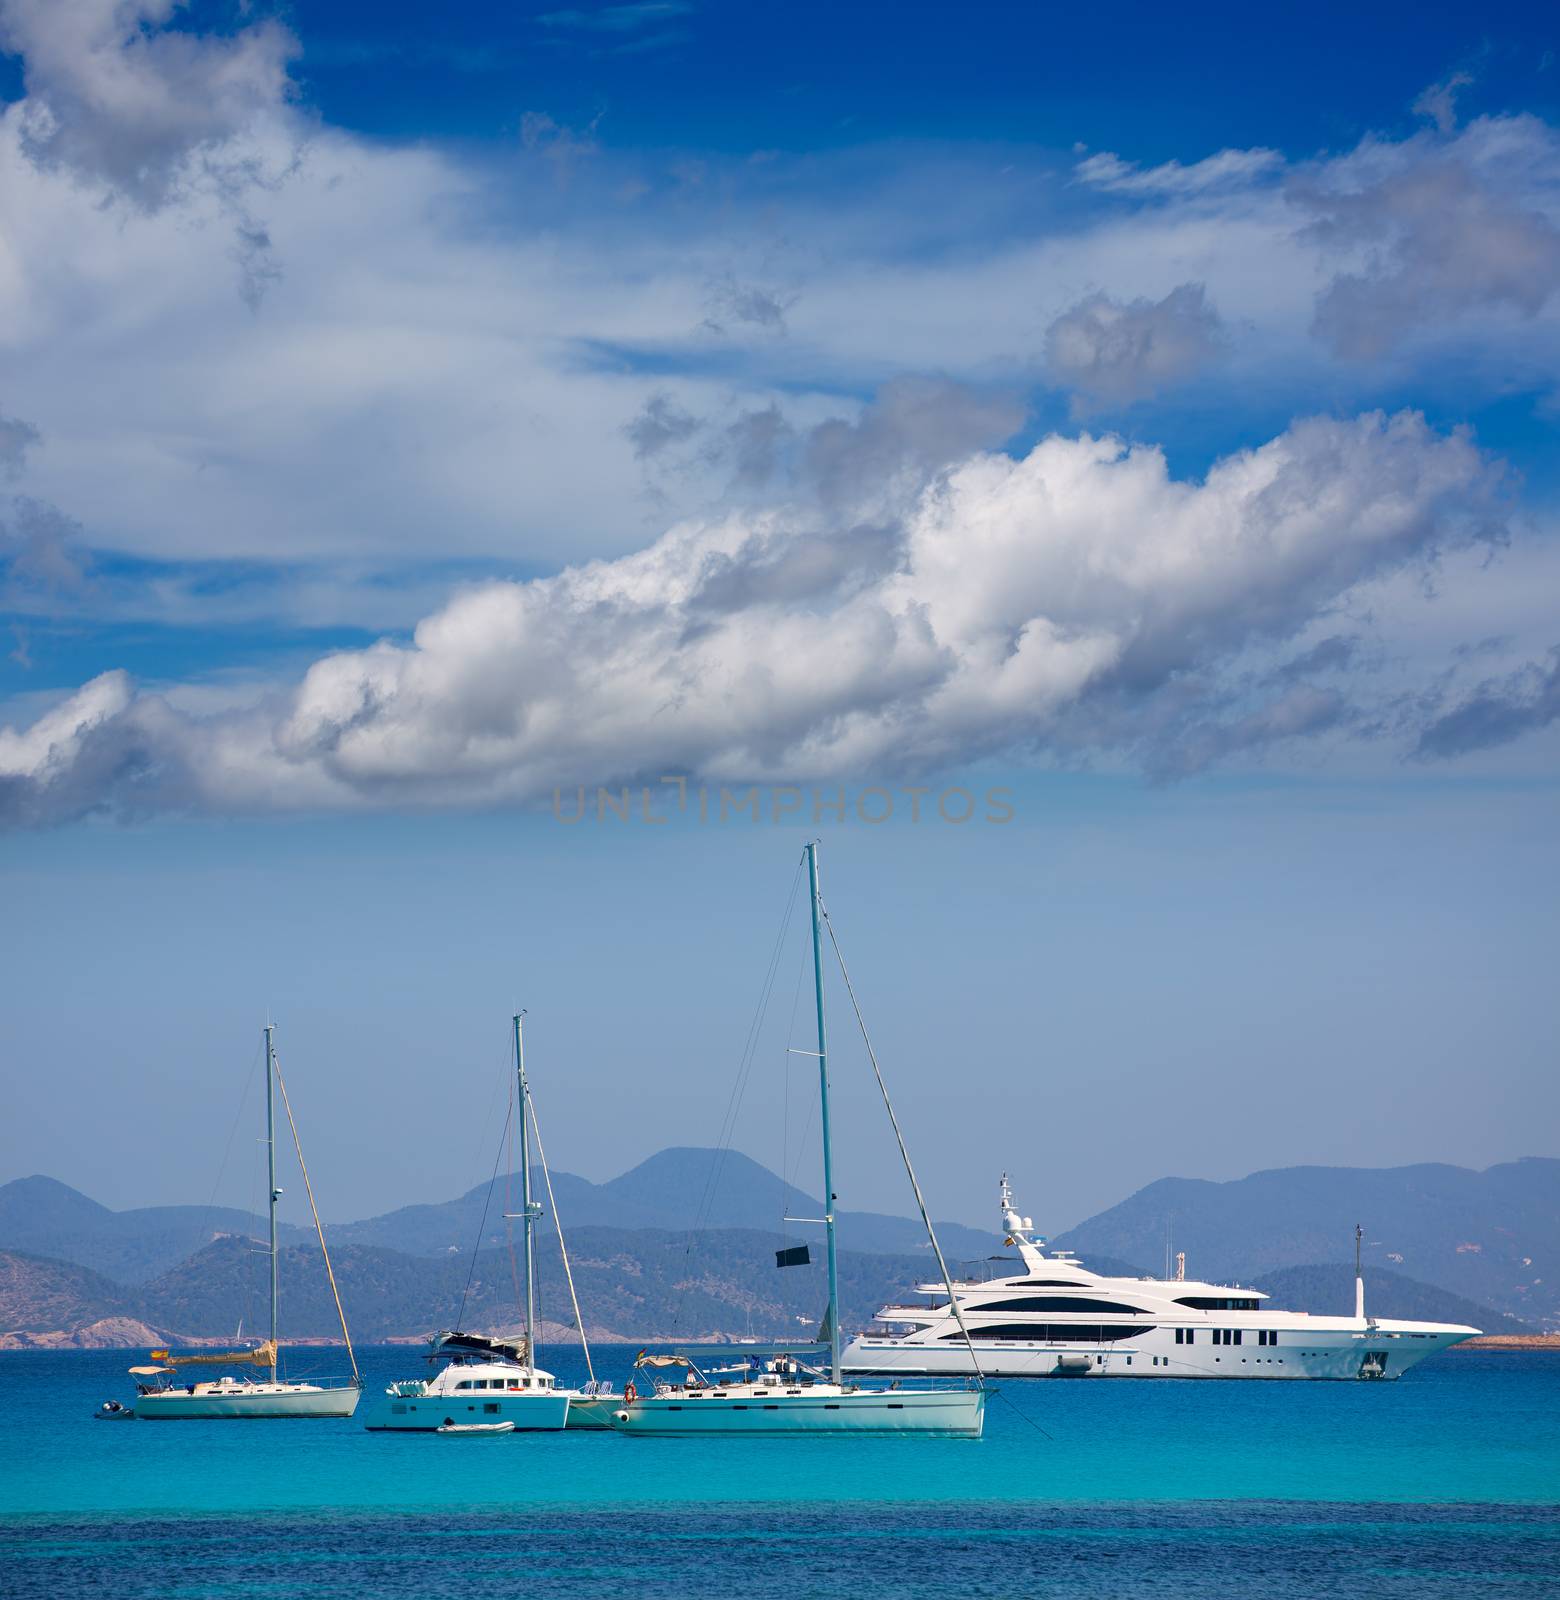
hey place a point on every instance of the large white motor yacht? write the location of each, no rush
(1053, 1317)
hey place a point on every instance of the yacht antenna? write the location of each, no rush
(832, 1315)
(1359, 1276)
(273, 1194)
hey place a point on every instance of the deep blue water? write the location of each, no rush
(1446, 1483)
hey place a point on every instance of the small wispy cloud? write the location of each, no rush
(16, 439)
(1498, 712)
(617, 19)
(729, 300)
(563, 146)
(1438, 102)
(1227, 169)
(1114, 353)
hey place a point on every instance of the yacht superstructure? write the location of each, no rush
(1050, 1316)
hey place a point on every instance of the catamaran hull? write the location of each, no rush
(1314, 1355)
(180, 1404)
(956, 1413)
(530, 1413)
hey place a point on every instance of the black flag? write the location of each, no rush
(793, 1256)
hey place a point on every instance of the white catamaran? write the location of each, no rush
(784, 1394)
(493, 1385)
(159, 1395)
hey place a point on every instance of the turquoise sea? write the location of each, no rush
(1446, 1483)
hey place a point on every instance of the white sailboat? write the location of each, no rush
(158, 1393)
(784, 1394)
(491, 1385)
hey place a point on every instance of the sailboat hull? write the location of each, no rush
(248, 1400)
(950, 1413)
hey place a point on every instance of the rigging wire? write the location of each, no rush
(303, 1167)
(888, 1105)
(739, 1087)
(563, 1249)
(745, 1063)
(487, 1201)
(227, 1151)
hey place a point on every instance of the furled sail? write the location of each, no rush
(261, 1356)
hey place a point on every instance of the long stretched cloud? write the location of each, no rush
(1078, 599)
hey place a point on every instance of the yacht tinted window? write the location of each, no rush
(1053, 1332)
(1208, 1302)
(1056, 1302)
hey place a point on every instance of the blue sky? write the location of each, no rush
(397, 425)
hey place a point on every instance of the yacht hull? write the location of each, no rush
(1348, 1354)
(258, 1400)
(954, 1413)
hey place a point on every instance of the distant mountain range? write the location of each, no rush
(677, 1189)
(1446, 1244)
(639, 1284)
(1492, 1237)
(48, 1218)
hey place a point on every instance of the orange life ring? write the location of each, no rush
(630, 1392)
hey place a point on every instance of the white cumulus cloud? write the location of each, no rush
(1076, 599)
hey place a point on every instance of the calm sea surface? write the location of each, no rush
(1446, 1483)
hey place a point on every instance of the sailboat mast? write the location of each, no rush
(528, 1211)
(272, 1192)
(832, 1315)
